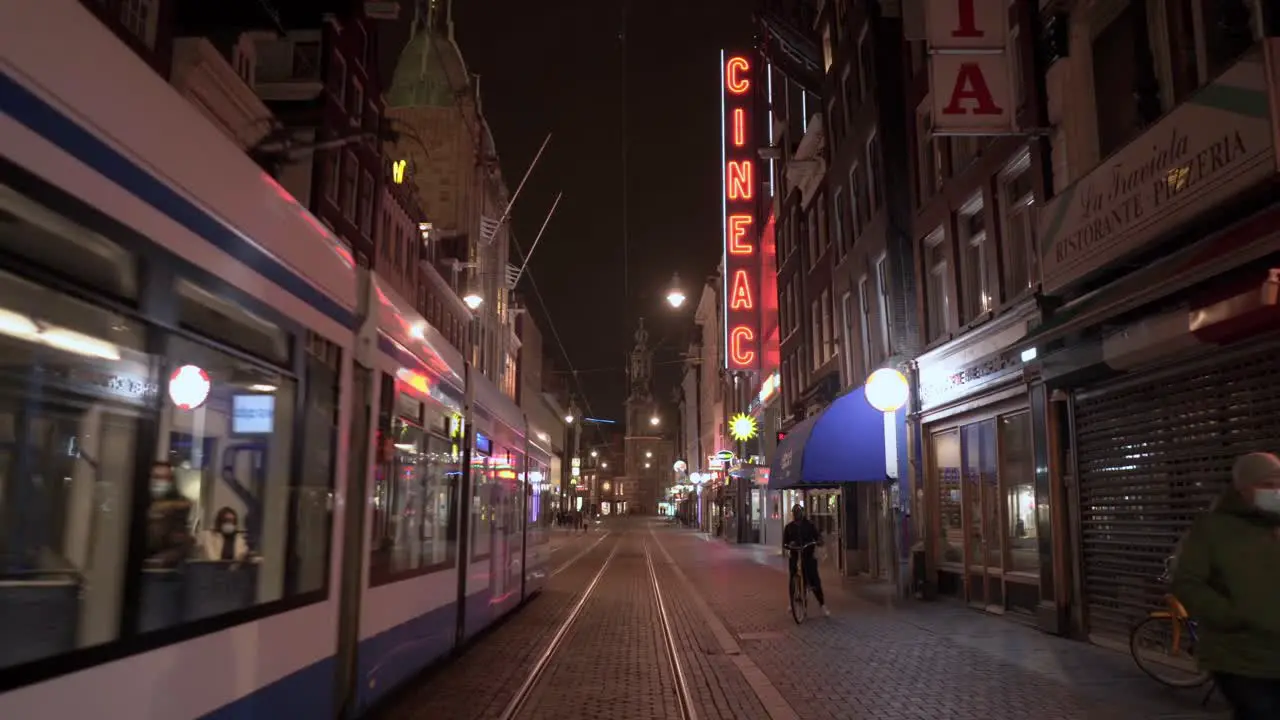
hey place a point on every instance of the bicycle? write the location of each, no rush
(799, 588)
(1175, 626)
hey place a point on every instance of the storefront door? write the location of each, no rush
(823, 508)
(985, 527)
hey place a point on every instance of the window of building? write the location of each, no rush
(815, 332)
(355, 101)
(338, 79)
(812, 223)
(883, 304)
(864, 325)
(838, 224)
(875, 192)
(413, 527)
(828, 328)
(866, 65)
(1021, 258)
(846, 322)
(366, 204)
(937, 285)
(332, 171)
(361, 41)
(828, 53)
(139, 17)
(834, 129)
(849, 93)
(862, 202)
(928, 177)
(1018, 68)
(824, 234)
(975, 263)
(371, 124)
(350, 168)
(305, 63)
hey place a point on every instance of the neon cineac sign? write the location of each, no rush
(739, 184)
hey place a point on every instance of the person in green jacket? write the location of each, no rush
(1228, 577)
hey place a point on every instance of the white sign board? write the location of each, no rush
(1211, 147)
(967, 24)
(972, 94)
(253, 414)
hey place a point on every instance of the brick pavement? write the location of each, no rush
(924, 660)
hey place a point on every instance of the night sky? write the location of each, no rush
(557, 67)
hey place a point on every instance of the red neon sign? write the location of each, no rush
(741, 245)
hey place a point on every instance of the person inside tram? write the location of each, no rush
(1228, 577)
(169, 538)
(224, 541)
(801, 533)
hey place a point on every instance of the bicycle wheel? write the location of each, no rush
(1152, 646)
(798, 606)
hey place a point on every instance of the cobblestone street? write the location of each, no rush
(742, 656)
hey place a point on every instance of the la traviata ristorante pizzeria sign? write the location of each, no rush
(741, 234)
(1213, 146)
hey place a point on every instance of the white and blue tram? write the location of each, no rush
(238, 477)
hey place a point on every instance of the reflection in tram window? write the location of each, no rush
(74, 386)
(413, 489)
(226, 433)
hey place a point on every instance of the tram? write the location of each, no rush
(239, 477)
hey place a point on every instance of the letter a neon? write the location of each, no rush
(740, 294)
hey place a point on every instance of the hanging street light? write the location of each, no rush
(473, 300)
(675, 294)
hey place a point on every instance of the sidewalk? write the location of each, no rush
(877, 658)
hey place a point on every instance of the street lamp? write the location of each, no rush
(474, 301)
(654, 421)
(675, 295)
(568, 418)
(595, 453)
(887, 390)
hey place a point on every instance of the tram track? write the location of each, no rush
(560, 645)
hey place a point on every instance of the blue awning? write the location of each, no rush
(843, 443)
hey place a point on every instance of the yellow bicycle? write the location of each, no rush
(1163, 644)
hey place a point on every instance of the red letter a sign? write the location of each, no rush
(971, 86)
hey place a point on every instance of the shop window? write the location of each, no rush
(47, 238)
(414, 499)
(1017, 476)
(946, 468)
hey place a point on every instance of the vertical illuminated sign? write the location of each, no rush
(739, 183)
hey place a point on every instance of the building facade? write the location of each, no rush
(648, 455)
(443, 145)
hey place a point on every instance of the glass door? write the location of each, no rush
(981, 510)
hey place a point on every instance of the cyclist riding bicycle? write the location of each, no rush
(801, 533)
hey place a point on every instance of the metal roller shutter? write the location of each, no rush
(1154, 450)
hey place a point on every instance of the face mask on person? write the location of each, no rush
(228, 528)
(1267, 499)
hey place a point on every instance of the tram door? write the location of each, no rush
(500, 539)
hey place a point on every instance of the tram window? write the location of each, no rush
(226, 321)
(74, 384)
(313, 502)
(49, 239)
(414, 498)
(224, 498)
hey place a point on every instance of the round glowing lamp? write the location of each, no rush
(189, 387)
(887, 390)
(473, 300)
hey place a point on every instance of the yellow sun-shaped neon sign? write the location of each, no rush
(742, 427)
